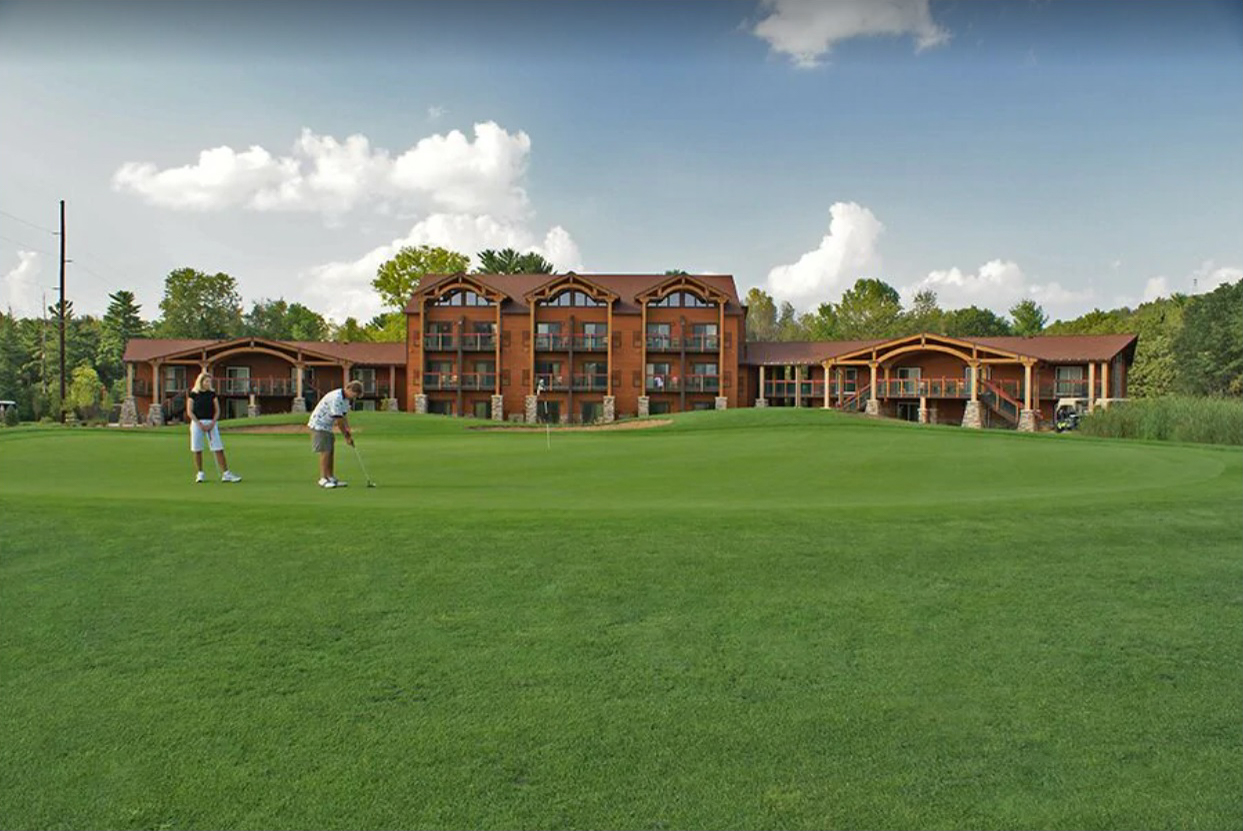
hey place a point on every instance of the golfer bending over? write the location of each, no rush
(333, 407)
(203, 413)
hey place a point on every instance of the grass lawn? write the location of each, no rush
(749, 619)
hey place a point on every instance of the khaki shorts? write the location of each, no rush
(322, 441)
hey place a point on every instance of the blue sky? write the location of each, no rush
(1086, 154)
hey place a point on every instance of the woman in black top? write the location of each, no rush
(203, 413)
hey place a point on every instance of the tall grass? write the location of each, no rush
(1204, 420)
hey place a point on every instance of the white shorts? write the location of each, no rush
(213, 437)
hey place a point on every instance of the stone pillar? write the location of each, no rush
(932, 415)
(643, 406)
(298, 405)
(391, 405)
(610, 409)
(129, 412)
(498, 408)
(923, 410)
(531, 406)
(252, 408)
(971, 415)
(155, 415)
(420, 404)
(873, 407)
(761, 402)
(1027, 421)
(722, 402)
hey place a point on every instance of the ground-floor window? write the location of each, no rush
(482, 409)
(235, 407)
(658, 408)
(703, 405)
(908, 411)
(548, 412)
(591, 411)
(440, 407)
(367, 404)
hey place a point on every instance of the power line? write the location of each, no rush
(27, 247)
(27, 222)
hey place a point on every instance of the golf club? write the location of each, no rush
(358, 455)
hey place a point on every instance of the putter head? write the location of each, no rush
(371, 484)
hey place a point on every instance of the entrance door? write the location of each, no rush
(483, 409)
(549, 412)
(908, 411)
(591, 411)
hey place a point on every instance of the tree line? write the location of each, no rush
(1190, 344)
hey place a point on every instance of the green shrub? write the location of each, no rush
(1174, 418)
(11, 418)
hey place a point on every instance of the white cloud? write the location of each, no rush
(441, 172)
(1209, 276)
(343, 289)
(997, 285)
(21, 285)
(806, 30)
(847, 252)
(435, 113)
(1155, 288)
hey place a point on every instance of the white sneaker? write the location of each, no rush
(200, 477)
(230, 476)
(337, 483)
(327, 483)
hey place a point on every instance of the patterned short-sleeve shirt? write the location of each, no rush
(332, 406)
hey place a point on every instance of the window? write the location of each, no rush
(236, 380)
(703, 378)
(366, 376)
(440, 407)
(438, 335)
(482, 377)
(681, 300)
(439, 376)
(482, 409)
(850, 380)
(703, 405)
(704, 336)
(659, 336)
(1070, 382)
(572, 297)
(591, 412)
(659, 378)
(548, 336)
(461, 297)
(658, 408)
(174, 379)
(908, 381)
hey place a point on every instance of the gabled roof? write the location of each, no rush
(627, 287)
(147, 349)
(1048, 348)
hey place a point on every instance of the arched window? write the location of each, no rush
(681, 300)
(461, 297)
(572, 297)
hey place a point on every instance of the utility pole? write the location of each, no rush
(62, 311)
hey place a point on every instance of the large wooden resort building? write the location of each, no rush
(597, 347)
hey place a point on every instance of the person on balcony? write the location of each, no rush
(203, 413)
(332, 409)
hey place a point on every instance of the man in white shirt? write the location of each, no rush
(333, 408)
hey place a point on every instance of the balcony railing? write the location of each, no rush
(478, 380)
(440, 381)
(590, 343)
(663, 383)
(662, 343)
(552, 342)
(1068, 388)
(479, 342)
(591, 382)
(702, 343)
(551, 383)
(440, 342)
(781, 388)
(703, 383)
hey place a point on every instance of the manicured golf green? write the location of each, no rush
(745, 619)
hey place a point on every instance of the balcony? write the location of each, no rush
(662, 343)
(591, 383)
(663, 383)
(551, 383)
(440, 342)
(703, 343)
(590, 343)
(479, 342)
(478, 380)
(552, 342)
(790, 389)
(1067, 388)
(440, 381)
(703, 383)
